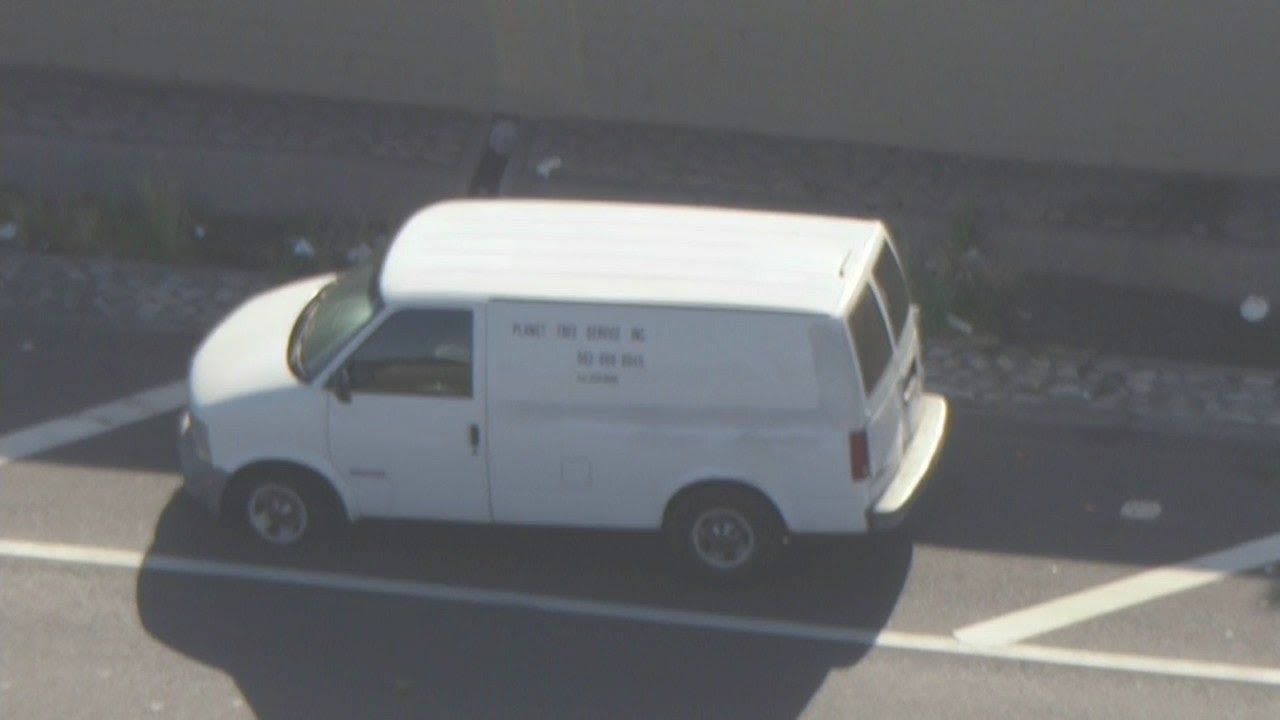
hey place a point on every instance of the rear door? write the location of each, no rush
(903, 318)
(882, 326)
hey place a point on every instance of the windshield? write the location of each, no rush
(332, 317)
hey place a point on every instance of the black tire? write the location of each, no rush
(725, 532)
(284, 507)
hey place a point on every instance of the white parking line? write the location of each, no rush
(888, 639)
(92, 421)
(1120, 594)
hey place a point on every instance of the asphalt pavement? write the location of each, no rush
(120, 598)
(1137, 322)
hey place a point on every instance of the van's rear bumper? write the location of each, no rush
(890, 509)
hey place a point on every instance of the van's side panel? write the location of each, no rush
(828, 510)
(598, 414)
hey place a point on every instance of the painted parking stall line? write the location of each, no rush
(623, 612)
(92, 421)
(1121, 594)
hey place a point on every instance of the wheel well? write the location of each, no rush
(240, 478)
(715, 485)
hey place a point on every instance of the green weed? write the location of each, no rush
(959, 281)
(158, 225)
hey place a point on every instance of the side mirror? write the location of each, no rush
(342, 385)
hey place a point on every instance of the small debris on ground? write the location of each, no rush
(302, 248)
(548, 166)
(1254, 308)
(1145, 510)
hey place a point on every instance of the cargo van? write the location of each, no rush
(726, 377)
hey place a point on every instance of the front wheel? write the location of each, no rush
(285, 509)
(725, 532)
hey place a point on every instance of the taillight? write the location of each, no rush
(859, 456)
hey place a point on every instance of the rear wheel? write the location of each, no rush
(725, 532)
(285, 508)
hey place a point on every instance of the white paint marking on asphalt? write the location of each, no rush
(688, 619)
(1121, 594)
(92, 421)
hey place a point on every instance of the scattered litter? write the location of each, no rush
(1254, 308)
(1068, 390)
(1146, 510)
(27, 346)
(199, 231)
(302, 248)
(548, 166)
(1053, 569)
(156, 706)
(960, 325)
(359, 254)
(9, 231)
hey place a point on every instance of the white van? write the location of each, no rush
(728, 377)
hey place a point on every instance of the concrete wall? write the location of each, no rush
(1167, 84)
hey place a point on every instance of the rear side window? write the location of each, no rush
(870, 339)
(893, 284)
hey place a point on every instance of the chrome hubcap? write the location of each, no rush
(723, 538)
(277, 514)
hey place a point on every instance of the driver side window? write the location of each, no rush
(416, 352)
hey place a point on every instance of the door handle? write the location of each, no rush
(474, 435)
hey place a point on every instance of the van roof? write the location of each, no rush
(628, 253)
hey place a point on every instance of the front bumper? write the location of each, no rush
(891, 508)
(201, 478)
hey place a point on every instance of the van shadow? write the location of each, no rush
(300, 651)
